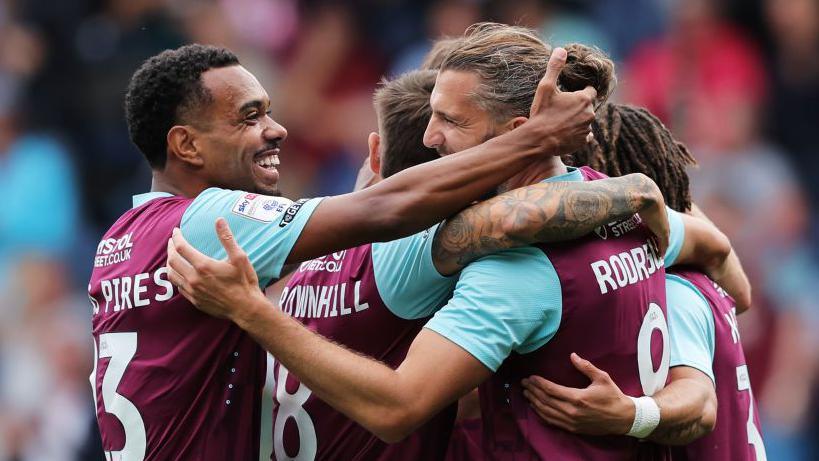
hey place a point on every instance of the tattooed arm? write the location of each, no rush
(546, 212)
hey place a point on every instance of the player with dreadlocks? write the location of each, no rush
(621, 134)
(705, 348)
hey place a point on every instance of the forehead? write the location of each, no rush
(455, 92)
(232, 86)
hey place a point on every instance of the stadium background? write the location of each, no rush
(736, 80)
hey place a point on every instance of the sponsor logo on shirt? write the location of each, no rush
(260, 208)
(618, 228)
(114, 250)
(329, 263)
(290, 213)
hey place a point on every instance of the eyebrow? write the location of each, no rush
(254, 104)
(445, 115)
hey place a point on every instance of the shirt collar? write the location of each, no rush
(571, 174)
(142, 199)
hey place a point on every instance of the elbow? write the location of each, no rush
(716, 254)
(744, 299)
(394, 425)
(708, 420)
(649, 194)
(518, 228)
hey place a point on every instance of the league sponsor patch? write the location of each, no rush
(290, 213)
(260, 208)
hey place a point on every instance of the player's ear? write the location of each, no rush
(182, 145)
(514, 123)
(374, 144)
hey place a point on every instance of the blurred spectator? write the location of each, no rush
(704, 72)
(628, 23)
(326, 102)
(752, 194)
(559, 22)
(40, 198)
(447, 18)
(794, 110)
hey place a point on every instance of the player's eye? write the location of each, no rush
(253, 117)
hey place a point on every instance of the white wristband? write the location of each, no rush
(646, 417)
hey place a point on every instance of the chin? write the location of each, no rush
(268, 190)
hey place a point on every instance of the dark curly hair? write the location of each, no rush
(630, 139)
(163, 89)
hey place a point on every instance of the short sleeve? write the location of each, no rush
(676, 236)
(504, 302)
(266, 227)
(406, 277)
(691, 326)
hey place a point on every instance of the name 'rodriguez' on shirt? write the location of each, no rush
(627, 267)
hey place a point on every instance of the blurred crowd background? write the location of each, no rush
(738, 81)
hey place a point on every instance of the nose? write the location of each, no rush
(432, 135)
(274, 131)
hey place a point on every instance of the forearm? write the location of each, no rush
(687, 412)
(365, 390)
(728, 272)
(546, 212)
(731, 277)
(425, 194)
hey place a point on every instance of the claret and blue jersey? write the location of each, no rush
(373, 299)
(596, 295)
(170, 382)
(705, 336)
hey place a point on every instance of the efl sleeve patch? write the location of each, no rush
(261, 208)
(290, 214)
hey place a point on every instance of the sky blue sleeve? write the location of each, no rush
(504, 302)
(691, 326)
(265, 227)
(676, 237)
(406, 277)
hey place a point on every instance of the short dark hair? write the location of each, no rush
(630, 139)
(163, 88)
(402, 106)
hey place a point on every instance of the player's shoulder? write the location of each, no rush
(682, 292)
(514, 260)
(528, 269)
(227, 202)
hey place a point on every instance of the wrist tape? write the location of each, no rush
(646, 417)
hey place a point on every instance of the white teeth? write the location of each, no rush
(268, 161)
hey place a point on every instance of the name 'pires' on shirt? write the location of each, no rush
(132, 291)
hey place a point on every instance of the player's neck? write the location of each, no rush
(537, 172)
(164, 181)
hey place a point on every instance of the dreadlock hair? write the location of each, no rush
(630, 139)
